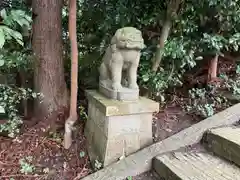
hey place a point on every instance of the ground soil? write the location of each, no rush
(50, 160)
(170, 121)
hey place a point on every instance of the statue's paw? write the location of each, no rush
(133, 86)
(103, 83)
(116, 86)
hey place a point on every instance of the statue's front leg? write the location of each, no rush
(132, 75)
(132, 78)
(116, 69)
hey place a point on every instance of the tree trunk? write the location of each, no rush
(47, 46)
(74, 73)
(212, 71)
(159, 53)
(172, 9)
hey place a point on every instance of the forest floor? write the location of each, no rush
(38, 154)
(171, 121)
(51, 161)
(48, 159)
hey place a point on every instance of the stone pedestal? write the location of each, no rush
(117, 128)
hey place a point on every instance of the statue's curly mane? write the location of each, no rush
(128, 38)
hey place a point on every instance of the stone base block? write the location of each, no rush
(224, 142)
(194, 166)
(117, 128)
(125, 94)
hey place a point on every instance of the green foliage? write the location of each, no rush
(10, 98)
(159, 82)
(55, 136)
(26, 166)
(180, 52)
(97, 165)
(232, 84)
(214, 43)
(7, 33)
(82, 154)
(14, 19)
(14, 59)
(82, 113)
(205, 102)
(234, 42)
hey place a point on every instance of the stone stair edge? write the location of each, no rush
(222, 145)
(141, 161)
(193, 165)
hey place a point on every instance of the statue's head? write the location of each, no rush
(128, 38)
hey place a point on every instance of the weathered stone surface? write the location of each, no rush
(146, 129)
(111, 107)
(114, 136)
(225, 142)
(125, 94)
(141, 161)
(194, 166)
(120, 63)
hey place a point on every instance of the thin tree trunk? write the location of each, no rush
(159, 53)
(212, 70)
(172, 8)
(47, 46)
(74, 74)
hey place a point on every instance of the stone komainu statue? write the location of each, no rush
(122, 56)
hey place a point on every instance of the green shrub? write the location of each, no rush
(10, 98)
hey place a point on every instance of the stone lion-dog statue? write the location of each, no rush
(121, 59)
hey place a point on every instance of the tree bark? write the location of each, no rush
(74, 73)
(47, 47)
(212, 71)
(159, 52)
(172, 9)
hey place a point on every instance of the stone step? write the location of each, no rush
(224, 142)
(194, 166)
